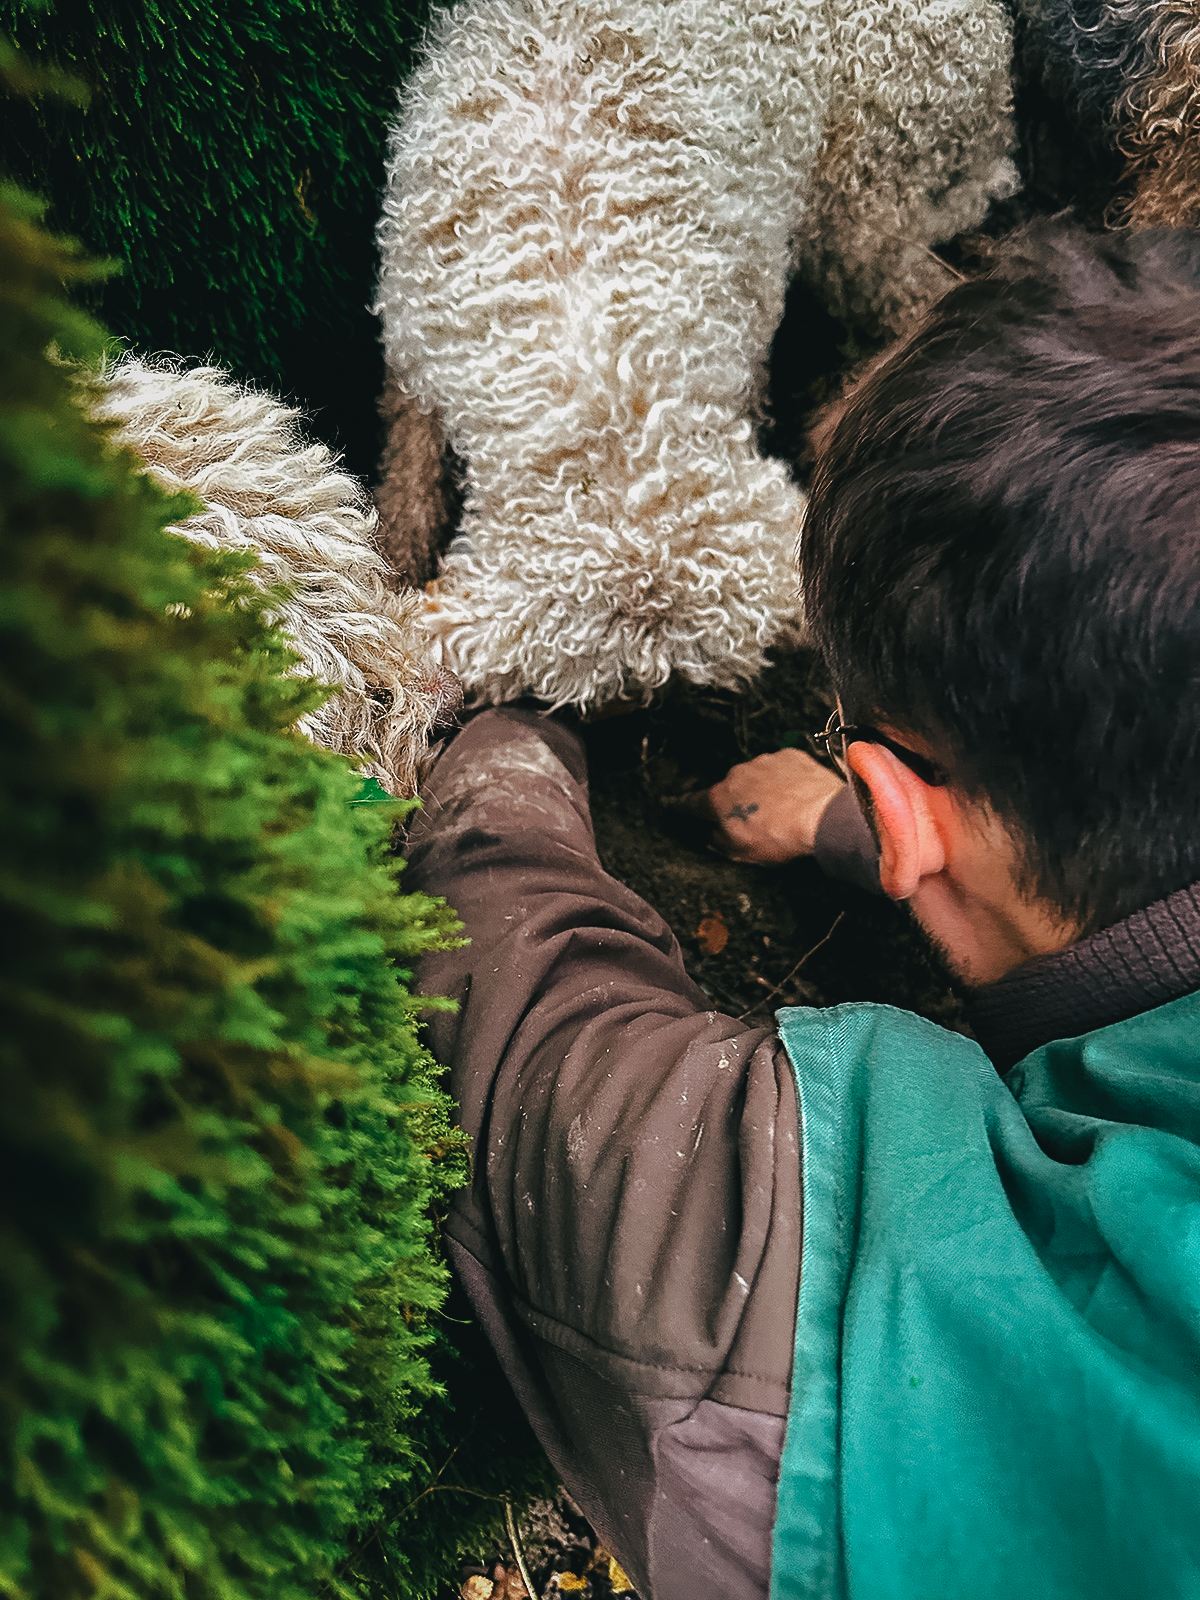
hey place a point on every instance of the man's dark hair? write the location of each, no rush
(1002, 554)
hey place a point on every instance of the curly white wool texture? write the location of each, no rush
(918, 142)
(590, 221)
(586, 242)
(268, 490)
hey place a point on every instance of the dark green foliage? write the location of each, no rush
(476, 1451)
(232, 157)
(215, 1273)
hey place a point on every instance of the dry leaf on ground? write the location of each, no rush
(712, 933)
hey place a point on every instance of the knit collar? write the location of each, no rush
(1150, 958)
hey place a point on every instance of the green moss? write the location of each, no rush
(221, 1137)
(231, 155)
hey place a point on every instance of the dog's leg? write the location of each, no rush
(419, 498)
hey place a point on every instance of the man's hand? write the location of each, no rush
(768, 809)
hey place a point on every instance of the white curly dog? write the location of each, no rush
(268, 489)
(592, 214)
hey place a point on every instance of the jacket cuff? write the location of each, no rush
(845, 847)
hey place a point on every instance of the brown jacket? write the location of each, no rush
(631, 1239)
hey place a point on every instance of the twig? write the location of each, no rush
(433, 1488)
(715, 992)
(446, 1488)
(511, 1523)
(785, 981)
(954, 272)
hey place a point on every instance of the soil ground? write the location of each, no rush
(753, 938)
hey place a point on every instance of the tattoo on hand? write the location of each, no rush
(742, 813)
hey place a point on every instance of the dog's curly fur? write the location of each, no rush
(587, 235)
(1159, 116)
(917, 143)
(268, 490)
(1130, 71)
(1089, 49)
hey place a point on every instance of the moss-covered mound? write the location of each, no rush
(231, 156)
(215, 1154)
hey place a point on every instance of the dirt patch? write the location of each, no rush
(753, 938)
(562, 1556)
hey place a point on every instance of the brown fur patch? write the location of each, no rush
(418, 498)
(1162, 140)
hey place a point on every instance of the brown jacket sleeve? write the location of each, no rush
(631, 1237)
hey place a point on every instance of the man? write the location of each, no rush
(861, 1307)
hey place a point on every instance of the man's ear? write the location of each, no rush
(908, 816)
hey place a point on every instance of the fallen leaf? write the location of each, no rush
(712, 933)
(477, 1587)
(569, 1583)
(617, 1578)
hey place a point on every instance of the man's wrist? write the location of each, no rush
(845, 847)
(768, 810)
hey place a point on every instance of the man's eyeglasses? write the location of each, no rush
(836, 735)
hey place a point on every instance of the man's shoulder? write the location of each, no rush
(995, 1269)
(864, 1031)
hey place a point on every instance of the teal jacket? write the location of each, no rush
(996, 1391)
